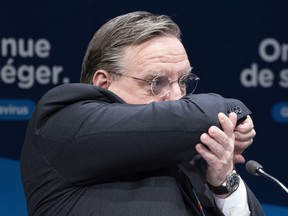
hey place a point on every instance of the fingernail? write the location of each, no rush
(212, 129)
(221, 116)
(204, 136)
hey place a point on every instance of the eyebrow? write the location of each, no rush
(159, 73)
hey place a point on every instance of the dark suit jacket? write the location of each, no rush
(86, 152)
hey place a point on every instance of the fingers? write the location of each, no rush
(217, 149)
(238, 158)
(222, 136)
(213, 150)
(246, 126)
(244, 136)
(240, 146)
(228, 123)
(219, 141)
(219, 144)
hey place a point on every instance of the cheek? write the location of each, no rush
(131, 93)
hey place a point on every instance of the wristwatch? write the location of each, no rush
(228, 186)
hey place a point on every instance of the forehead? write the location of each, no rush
(161, 54)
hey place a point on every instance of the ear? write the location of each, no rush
(102, 78)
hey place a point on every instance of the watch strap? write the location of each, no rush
(224, 188)
(219, 190)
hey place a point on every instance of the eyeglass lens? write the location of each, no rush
(160, 85)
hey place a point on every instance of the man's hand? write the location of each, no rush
(217, 148)
(244, 134)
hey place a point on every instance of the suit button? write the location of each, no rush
(236, 110)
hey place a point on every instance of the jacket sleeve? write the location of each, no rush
(87, 139)
(254, 205)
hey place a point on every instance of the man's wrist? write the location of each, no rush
(230, 185)
(236, 203)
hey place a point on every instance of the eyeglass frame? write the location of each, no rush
(153, 81)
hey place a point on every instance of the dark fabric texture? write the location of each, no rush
(87, 152)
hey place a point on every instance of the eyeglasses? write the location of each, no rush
(161, 85)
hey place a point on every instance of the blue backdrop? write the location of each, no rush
(238, 48)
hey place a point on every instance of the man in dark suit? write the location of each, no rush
(132, 140)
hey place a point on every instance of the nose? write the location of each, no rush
(174, 93)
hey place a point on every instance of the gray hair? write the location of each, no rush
(105, 50)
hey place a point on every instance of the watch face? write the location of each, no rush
(233, 182)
